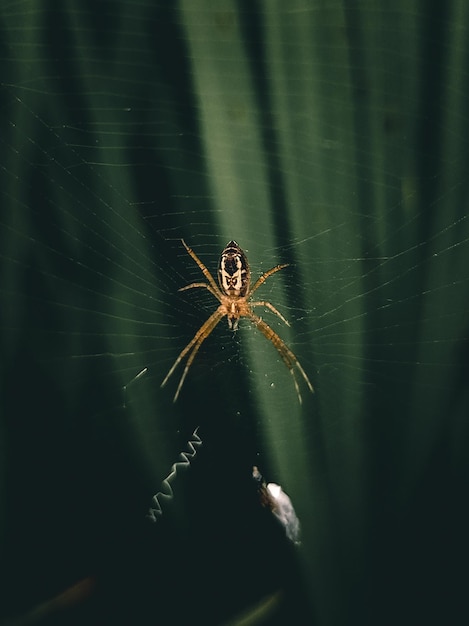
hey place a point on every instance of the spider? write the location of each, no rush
(234, 295)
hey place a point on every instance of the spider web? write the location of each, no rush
(333, 139)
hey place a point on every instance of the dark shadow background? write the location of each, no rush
(107, 160)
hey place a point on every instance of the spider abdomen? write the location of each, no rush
(233, 271)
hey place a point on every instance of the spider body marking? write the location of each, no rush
(234, 294)
(234, 278)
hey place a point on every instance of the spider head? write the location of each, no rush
(233, 323)
(233, 271)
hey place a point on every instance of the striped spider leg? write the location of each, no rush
(234, 295)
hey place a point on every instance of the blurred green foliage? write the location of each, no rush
(331, 136)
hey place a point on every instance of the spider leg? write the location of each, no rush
(287, 355)
(206, 285)
(205, 271)
(270, 306)
(266, 275)
(194, 345)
